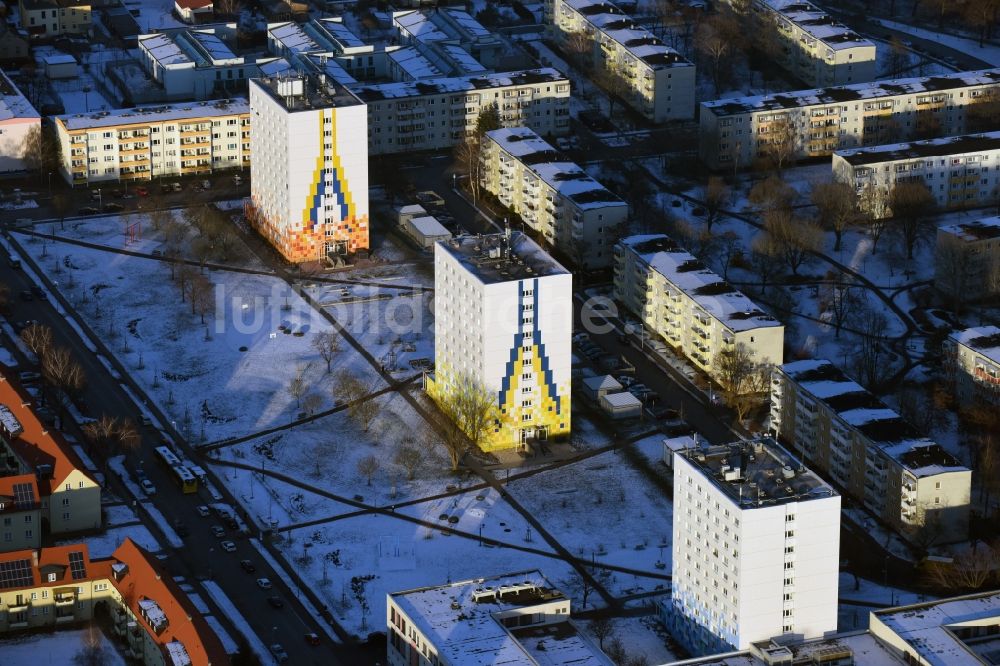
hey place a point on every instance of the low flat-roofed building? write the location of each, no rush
(972, 357)
(660, 81)
(194, 11)
(144, 142)
(698, 314)
(17, 120)
(426, 231)
(967, 259)
(574, 213)
(516, 619)
(909, 481)
(959, 171)
(736, 132)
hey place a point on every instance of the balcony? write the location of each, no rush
(64, 599)
(20, 606)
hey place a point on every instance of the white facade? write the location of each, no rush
(309, 176)
(967, 259)
(867, 450)
(973, 358)
(17, 119)
(449, 26)
(756, 548)
(660, 82)
(146, 142)
(432, 114)
(515, 619)
(689, 306)
(960, 172)
(735, 132)
(575, 213)
(503, 320)
(814, 47)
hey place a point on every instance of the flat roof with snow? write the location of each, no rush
(144, 115)
(687, 273)
(850, 93)
(983, 229)
(983, 340)
(643, 45)
(164, 50)
(943, 147)
(818, 24)
(429, 227)
(602, 383)
(458, 619)
(445, 85)
(414, 63)
(502, 257)
(872, 418)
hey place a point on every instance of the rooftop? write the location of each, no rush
(943, 147)
(818, 24)
(758, 473)
(305, 93)
(850, 93)
(445, 85)
(413, 63)
(865, 649)
(635, 39)
(987, 228)
(948, 632)
(458, 619)
(12, 103)
(984, 340)
(146, 115)
(690, 275)
(866, 413)
(501, 257)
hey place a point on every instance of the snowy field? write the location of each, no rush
(53, 649)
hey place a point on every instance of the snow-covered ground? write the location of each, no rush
(104, 544)
(53, 649)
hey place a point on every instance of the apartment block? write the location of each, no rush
(735, 132)
(516, 619)
(198, 63)
(62, 586)
(972, 357)
(756, 548)
(41, 471)
(432, 114)
(309, 176)
(814, 47)
(150, 141)
(503, 321)
(967, 259)
(910, 482)
(960, 171)
(575, 214)
(51, 18)
(446, 25)
(660, 83)
(17, 120)
(698, 314)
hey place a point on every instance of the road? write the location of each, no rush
(201, 555)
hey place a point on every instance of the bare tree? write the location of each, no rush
(109, 435)
(730, 248)
(780, 143)
(837, 208)
(579, 46)
(357, 394)
(468, 160)
(616, 651)
(127, 437)
(869, 360)
(794, 239)
(772, 193)
(408, 458)
(311, 402)
(714, 196)
(982, 114)
(874, 206)
(202, 249)
(327, 345)
(37, 338)
(970, 570)
(40, 150)
(601, 628)
(61, 206)
(62, 372)
(614, 85)
(185, 276)
(202, 296)
(743, 380)
(368, 467)
(715, 40)
(157, 214)
(765, 258)
(297, 386)
(471, 410)
(912, 206)
(899, 57)
(92, 651)
(840, 301)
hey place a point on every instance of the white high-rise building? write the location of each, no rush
(756, 545)
(503, 322)
(309, 174)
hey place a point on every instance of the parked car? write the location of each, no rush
(248, 566)
(39, 293)
(218, 531)
(148, 487)
(26, 295)
(176, 187)
(14, 261)
(312, 639)
(181, 529)
(203, 511)
(228, 546)
(275, 601)
(264, 583)
(279, 652)
(88, 210)
(142, 191)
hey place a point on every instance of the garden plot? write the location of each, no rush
(226, 377)
(368, 557)
(602, 508)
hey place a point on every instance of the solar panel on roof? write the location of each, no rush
(24, 495)
(76, 568)
(15, 574)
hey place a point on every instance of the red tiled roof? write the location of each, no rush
(145, 580)
(37, 445)
(7, 484)
(193, 4)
